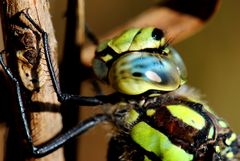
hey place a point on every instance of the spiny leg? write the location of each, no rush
(55, 143)
(64, 97)
(21, 109)
(39, 151)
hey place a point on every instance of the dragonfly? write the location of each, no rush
(154, 117)
(139, 62)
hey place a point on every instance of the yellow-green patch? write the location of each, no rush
(151, 112)
(232, 138)
(131, 116)
(107, 57)
(223, 124)
(122, 42)
(187, 115)
(145, 40)
(230, 155)
(211, 133)
(154, 141)
(217, 149)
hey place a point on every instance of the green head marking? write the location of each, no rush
(148, 38)
(122, 42)
(137, 39)
(154, 141)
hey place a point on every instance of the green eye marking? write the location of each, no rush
(187, 115)
(154, 141)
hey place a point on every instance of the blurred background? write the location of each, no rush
(212, 57)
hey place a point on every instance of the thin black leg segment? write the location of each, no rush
(63, 97)
(48, 147)
(55, 143)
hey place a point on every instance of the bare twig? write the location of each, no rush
(72, 72)
(80, 36)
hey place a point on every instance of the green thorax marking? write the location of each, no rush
(131, 116)
(188, 116)
(156, 142)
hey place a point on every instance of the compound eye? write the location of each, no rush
(157, 34)
(137, 72)
(176, 59)
(100, 69)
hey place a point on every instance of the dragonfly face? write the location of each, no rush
(139, 60)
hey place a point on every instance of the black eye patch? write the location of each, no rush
(157, 34)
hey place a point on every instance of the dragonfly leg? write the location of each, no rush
(55, 143)
(63, 97)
